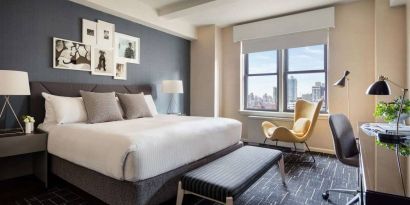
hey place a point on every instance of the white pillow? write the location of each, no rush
(120, 107)
(151, 105)
(50, 114)
(67, 109)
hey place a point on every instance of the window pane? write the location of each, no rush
(306, 58)
(262, 62)
(262, 92)
(310, 87)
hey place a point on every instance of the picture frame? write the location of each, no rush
(105, 34)
(89, 32)
(103, 62)
(120, 71)
(127, 48)
(71, 55)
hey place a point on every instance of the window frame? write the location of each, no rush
(282, 73)
(246, 75)
(286, 72)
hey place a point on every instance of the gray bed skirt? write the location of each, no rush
(154, 190)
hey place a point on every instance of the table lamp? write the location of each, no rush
(13, 83)
(344, 82)
(172, 87)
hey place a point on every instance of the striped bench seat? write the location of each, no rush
(226, 178)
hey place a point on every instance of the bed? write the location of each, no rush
(133, 161)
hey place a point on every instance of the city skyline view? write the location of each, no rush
(262, 89)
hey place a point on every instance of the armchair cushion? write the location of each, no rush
(301, 126)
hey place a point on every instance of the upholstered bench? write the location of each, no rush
(226, 178)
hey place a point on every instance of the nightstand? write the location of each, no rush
(35, 144)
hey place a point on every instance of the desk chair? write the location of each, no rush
(346, 150)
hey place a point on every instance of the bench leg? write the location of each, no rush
(180, 195)
(281, 164)
(229, 201)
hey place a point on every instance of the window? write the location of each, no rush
(261, 77)
(294, 73)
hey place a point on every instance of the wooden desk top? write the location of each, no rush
(379, 164)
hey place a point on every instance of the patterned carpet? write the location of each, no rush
(305, 184)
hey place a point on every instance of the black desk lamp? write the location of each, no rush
(381, 87)
(344, 82)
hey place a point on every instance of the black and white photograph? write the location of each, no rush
(71, 55)
(89, 32)
(103, 62)
(105, 34)
(127, 48)
(120, 71)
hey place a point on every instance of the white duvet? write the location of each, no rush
(142, 148)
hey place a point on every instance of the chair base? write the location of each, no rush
(354, 200)
(294, 145)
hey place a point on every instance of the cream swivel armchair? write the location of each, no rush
(306, 114)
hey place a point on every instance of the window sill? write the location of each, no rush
(276, 115)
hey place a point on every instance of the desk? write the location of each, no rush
(381, 181)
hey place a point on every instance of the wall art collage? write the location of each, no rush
(101, 52)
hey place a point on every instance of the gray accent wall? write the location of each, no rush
(27, 29)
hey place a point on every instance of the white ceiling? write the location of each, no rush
(181, 17)
(159, 3)
(228, 12)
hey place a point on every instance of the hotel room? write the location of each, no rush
(204, 102)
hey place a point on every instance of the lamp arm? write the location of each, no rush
(397, 85)
(400, 109)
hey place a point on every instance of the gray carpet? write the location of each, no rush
(305, 184)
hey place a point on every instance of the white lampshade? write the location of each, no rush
(172, 86)
(14, 83)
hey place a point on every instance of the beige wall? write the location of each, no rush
(203, 58)
(390, 36)
(390, 60)
(352, 46)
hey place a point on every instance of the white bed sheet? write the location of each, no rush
(142, 148)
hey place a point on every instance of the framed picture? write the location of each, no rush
(71, 55)
(103, 62)
(89, 32)
(105, 34)
(127, 48)
(120, 71)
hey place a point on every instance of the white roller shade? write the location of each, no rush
(301, 39)
(295, 23)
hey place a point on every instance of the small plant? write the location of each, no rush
(404, 150)
(388, 111)
(28, 119)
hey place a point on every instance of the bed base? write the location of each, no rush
(154, 190)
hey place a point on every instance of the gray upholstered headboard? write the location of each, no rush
(73, 90)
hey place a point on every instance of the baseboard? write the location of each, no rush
(322, 150)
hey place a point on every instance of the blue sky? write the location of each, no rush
(304, 58)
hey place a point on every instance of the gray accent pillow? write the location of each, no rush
(134, 106)
(101, 107)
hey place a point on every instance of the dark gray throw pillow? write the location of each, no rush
(101, 107)
(134, 105)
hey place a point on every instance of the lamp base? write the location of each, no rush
(391, 138)
(7, 103)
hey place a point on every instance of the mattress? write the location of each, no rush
(139, 149)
